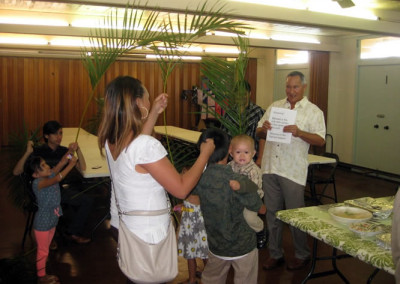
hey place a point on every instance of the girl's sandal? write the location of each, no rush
(48, 279)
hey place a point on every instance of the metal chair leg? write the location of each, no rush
(334, 191)
(28, 227)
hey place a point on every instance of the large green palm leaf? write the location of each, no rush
(182, 30)
(226, 81)
(111, 40)
(141, 27)
(190, 26)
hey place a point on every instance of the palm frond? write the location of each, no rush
(227, 85)
(142, 27)
(181, 31)
(93, 123)
(190, 26)
(168, 57)
(19, 139)
(112, 41)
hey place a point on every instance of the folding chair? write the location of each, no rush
(324, 175)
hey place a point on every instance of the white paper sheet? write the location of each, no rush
(279, 118)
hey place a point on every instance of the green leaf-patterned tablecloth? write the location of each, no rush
(317, 222)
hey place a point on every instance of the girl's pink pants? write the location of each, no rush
(43, 240)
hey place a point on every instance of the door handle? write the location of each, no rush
(376, 126)
(386, 127)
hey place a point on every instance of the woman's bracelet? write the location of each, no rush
(61, 177)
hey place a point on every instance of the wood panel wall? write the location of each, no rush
(35, 90)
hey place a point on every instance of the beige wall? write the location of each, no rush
(265, 75)
(342, 98)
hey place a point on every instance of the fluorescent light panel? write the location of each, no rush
(71, 42)
(23, 40)
(41, 40)
(185, 48)
(79, 42)
(221, 50)
(33, 21)
(283, 37)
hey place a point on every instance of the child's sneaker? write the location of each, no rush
(262, 239)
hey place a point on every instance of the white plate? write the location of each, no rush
(347, 215)
(366, 229)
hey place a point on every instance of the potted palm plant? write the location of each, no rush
(228, 89)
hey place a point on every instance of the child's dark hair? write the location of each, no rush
(31, 166)
(50, 127)
(221, 142)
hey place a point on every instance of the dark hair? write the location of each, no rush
(221, 142)
(31, 166)
(50, 127)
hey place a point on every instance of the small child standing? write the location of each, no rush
(223, 197)
(45, 185)
(192, 238)
(242, 150)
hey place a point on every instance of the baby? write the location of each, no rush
(242, 150)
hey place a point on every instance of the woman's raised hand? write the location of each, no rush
(207, 147)
(160, 103)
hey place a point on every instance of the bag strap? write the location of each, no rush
(137, 212)
(146, 212)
